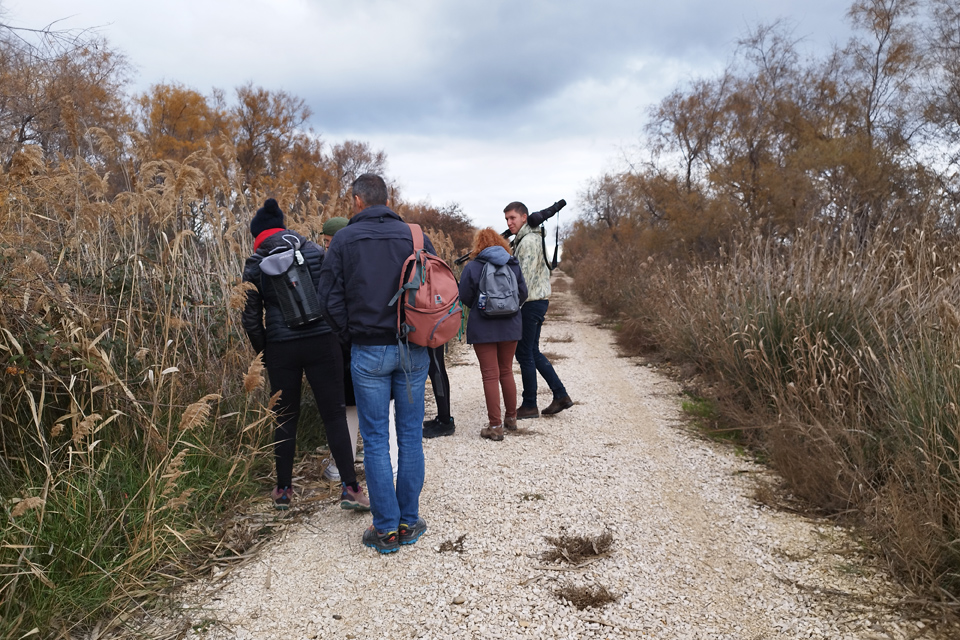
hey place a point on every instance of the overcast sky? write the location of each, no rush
(478, 102)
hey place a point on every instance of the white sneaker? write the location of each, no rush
(331, 472)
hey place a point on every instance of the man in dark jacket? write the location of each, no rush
(360, 275)
(288, 353)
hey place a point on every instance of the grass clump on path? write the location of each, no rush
(576, 549)
(588, 597)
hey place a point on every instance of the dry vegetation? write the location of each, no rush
(132, 420)
(587, 597)
(783, 243)
(126, 428)
(577, 549)
(448, 546)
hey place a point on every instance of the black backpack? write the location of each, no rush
(499, 291)
(287, 273)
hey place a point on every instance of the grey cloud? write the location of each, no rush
(492, 63)
(481, 68)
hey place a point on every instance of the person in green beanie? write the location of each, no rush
(330, 228)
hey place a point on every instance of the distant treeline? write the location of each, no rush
(65, 99)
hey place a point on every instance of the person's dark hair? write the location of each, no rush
(371, 189)
(519, 207)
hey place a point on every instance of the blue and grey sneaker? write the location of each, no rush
(410, 533)
(382, 541)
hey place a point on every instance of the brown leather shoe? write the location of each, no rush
(493, 433)
(558, 405)
(524, 413)
(510, 424)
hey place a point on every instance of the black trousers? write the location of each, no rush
(320, 358)
(440, 382)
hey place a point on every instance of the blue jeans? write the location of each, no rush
(379, 372)
(529, 357)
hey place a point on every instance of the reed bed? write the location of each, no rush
(134, 419)
(843, 353)
(128, 427)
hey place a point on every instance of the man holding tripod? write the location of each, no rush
(528, 248)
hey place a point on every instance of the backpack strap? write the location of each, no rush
(420, 275)
(543, 248)
(417, 234)
(411, 286)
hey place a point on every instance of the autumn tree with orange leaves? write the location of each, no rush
(177, 121)
(56, 87)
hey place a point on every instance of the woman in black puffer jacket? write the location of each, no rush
(289, 352)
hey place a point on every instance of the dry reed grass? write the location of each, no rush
(842, 350)
(120, 348)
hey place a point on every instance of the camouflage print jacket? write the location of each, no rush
(528, 249)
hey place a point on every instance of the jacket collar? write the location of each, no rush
(521, 232)
(375, 211)
(495, 255)
(266, 233)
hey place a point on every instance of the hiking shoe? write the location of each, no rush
(436, 428)
(281, 498)
(558, 405)
(354, 499)
(510, 424)
(411, 533)
(491, 432)
(382, 541)
(332, 473)
(524, 413)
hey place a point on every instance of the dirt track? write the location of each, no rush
(693, 555)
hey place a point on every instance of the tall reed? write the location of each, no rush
(125, 427)
(846, 352)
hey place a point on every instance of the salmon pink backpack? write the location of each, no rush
(429, 311)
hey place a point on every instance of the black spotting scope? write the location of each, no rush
(534, 219)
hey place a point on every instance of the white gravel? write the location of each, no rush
(693, 555)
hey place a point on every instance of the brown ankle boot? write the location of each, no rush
(558, 405)
(491, 432)
(524, 413)
(510, 424)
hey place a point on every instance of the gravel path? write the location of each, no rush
(693, 555)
